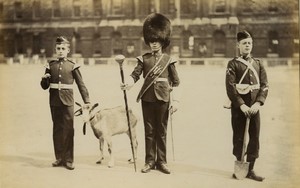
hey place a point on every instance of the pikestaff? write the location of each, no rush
(120, 59)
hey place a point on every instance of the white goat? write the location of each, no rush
(107, 123)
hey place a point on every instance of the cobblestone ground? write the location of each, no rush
(201, 130)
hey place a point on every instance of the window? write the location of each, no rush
(187, 44)
(36, 43)
(97, 8)
(247, 6)
(202, 49)
(117, 7)
(273, 42)
(76, 43)
(188, 7)
(18, 10)
(273, 6)
(56, 8)
(37, 9)
(117, 43)
(168, 6)
(172, 8)
(1, 10)
(76, 8)
(19, 44)
(1, 45)
(296, 46)
(219, 43)
(188, 40)
(146, 7)
(219, 6)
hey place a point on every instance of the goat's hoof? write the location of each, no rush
(100, 161)
(111, 164)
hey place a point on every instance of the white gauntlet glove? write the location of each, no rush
(174, 99)
(129, 82)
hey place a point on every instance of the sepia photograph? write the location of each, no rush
(149, 93)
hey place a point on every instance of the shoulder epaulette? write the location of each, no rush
(76, 65)
(51, 61)
(140, 58)
(70, 61)
(173, 60)
(47, 66)
(255, 59)
(147, 54)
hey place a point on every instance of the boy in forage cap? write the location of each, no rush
(160, 76)
(247, 88)
(59, 76)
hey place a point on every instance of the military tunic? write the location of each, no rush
(155, 104)
(235, 71)
(63, 73)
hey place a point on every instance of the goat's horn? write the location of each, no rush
(94, 106)
(78, 104)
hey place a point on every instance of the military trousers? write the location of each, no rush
(155, 116)
(63, 132)
(238, 121)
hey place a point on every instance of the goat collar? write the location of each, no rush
(93, 117)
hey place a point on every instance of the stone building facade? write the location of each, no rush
(104, 28)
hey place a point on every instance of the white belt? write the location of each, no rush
(161, 80)
(256, 86)
(61, 86)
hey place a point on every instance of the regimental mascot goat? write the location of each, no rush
(106, 123)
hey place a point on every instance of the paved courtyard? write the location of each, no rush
(202, 133)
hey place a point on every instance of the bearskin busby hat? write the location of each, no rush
(157, 27)
(243, 35)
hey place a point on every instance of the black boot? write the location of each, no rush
(251, 174)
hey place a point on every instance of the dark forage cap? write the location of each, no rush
(157, 27)
(243, 35)
(62, 40)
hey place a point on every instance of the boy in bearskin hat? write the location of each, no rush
(59, 77)
(160, 76)
(247, 89)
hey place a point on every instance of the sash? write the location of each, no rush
(154, 74)
(250, 66)
(245, 88)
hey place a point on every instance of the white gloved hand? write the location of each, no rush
(129, 82)
(174, 106)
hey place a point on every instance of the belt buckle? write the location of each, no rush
(59, 86)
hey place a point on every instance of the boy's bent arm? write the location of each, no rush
(45, 82)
